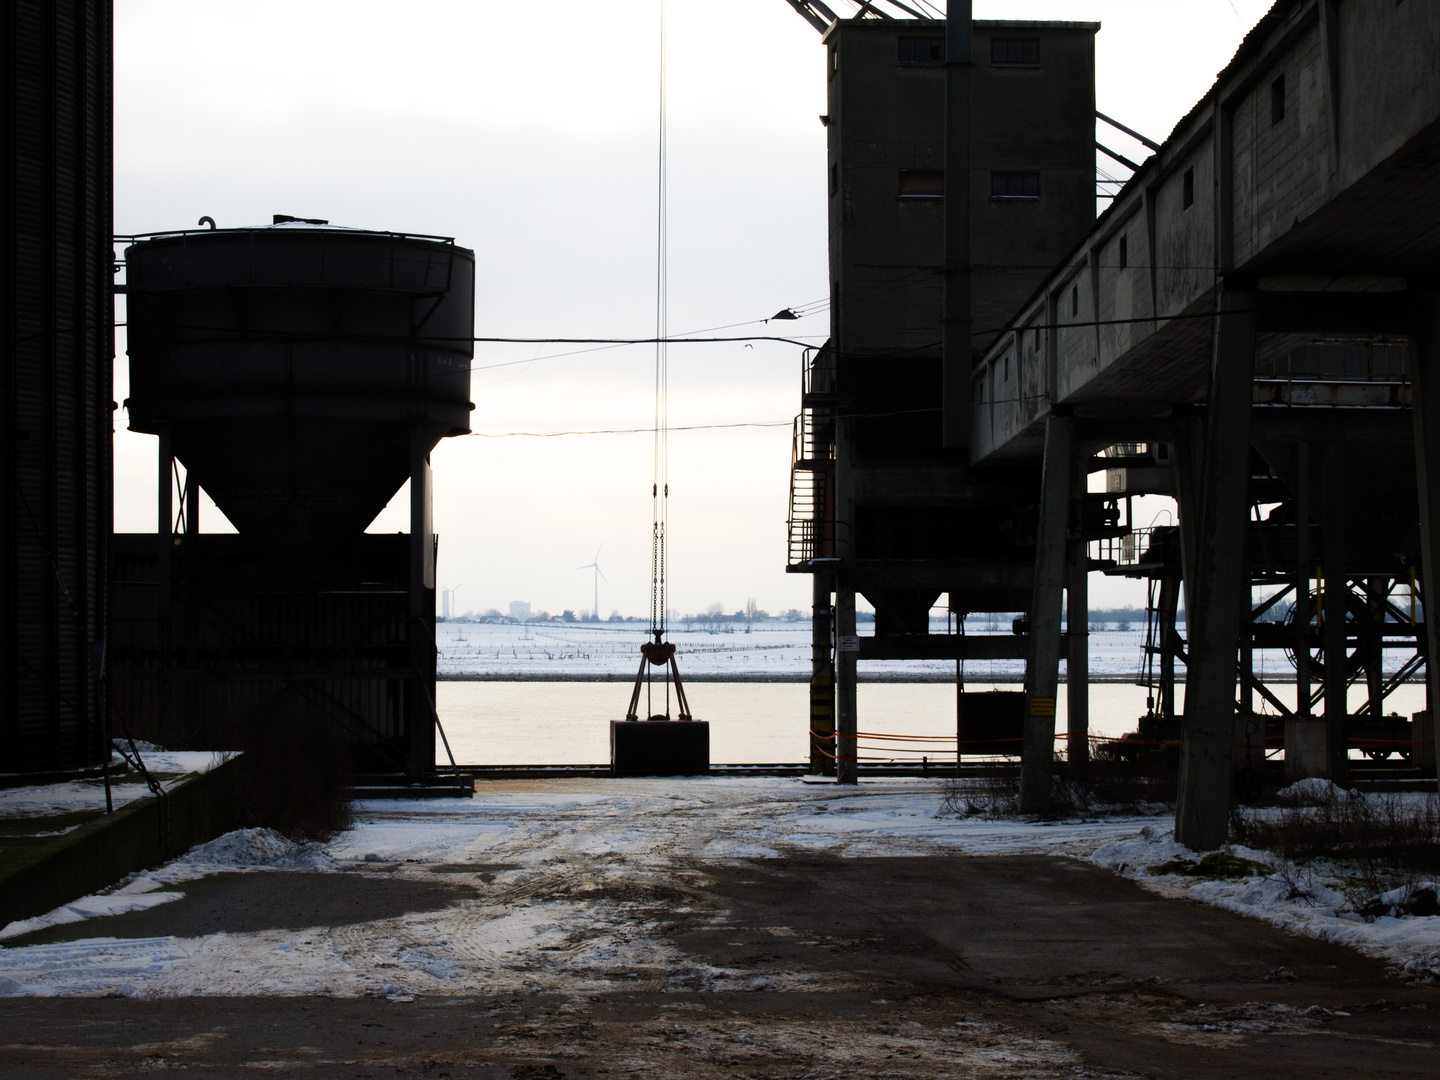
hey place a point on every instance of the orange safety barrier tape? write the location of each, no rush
(876, 757)
(1267, 742)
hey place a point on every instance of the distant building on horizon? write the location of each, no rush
(519, 609)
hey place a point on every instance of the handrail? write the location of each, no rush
(121, 237)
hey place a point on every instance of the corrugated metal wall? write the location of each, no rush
(56, 258)
(240, 647)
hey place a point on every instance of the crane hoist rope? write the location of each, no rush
(659, 652)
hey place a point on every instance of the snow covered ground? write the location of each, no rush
(772, 649)
(72, 796)
(600, 840)
(538, 831)
(1319, 899)
(779, 650)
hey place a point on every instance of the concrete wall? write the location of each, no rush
(1388, 88)
(899, 496)
(101, 852)
(887, 116)
(1279, 168)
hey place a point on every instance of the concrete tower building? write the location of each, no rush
(880, 506)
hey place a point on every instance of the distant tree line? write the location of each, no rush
(716, 617)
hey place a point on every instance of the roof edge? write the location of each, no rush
(939, 24)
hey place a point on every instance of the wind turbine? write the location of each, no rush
(595, 565)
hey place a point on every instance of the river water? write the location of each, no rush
(567, 723)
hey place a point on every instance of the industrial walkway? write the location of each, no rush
(1289, 216)
(1309, 171)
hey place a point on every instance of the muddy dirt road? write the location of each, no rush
(811, 964)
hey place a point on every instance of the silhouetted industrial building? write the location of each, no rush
(879, 504)
(56, 270)
(300, 373)
(1261, 296)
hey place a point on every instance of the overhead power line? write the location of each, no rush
(688, 427)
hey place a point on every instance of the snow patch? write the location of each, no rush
(89, 907)
(1311, 791)
(528, 928)
(1302, 900)
(256, 848)
(1152, 846)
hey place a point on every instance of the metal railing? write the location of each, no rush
(808, 476)
(1126, 450)
(811, 462)
(1135, 548)
(1339, 359)
(817, 372)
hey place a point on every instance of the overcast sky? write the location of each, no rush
(528, 133)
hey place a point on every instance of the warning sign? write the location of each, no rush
(1042, 706)
(849, 643)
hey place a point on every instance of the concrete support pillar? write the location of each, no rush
(1305, 751)
(1337, 590)
(822, 679)
(1246, 622)
(1042, 670)
(847, 652)
(165, 540)
(1189, 455)
(421, 711)
(1376, 589)
(1247, 652)
(1168, 604)
(1301, 621)
(1077, 661)
(1424, 363)
(192, 506)
(186, 628)
(1203, 807)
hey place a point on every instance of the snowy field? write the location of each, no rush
(600, 840)
(776, 650)
(771, 650)
(545, 692)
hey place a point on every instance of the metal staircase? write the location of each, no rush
(812, 464)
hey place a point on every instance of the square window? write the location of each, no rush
(1015, 50)
(1277, 100)
(1187, 186)
(1124, 252)
(922, 184)
(922, 50)
(1014, 185)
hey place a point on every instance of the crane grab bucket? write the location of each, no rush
(656, 745)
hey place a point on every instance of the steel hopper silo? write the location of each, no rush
(292, 366)
(301, 374)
